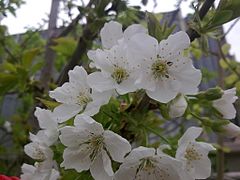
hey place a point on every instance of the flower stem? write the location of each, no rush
(158, 134)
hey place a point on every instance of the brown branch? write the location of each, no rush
(47, 69)
(84, 43)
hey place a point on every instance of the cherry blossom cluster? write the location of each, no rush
(128, 61)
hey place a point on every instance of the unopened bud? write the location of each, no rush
(177, 106)
(231, 130)
(211, 94)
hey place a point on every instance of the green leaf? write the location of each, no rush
(229, 80)
(226, 11)
(219, 18)
(49, 104)
(225, 48)
(7, 82)
(65, 46)
(154, 27)
(230, 5)
(6, 66)
(157, 30)
(29, 56)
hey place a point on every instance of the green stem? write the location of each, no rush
(196, 116)
(158, 134)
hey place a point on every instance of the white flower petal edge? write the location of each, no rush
(144, 163)
(40, 171)
(48, 122)
(117, 71)
(76, 96)
(225, 104)
(38, 149)
(89, 147)
(111, 34)
(164, 72)
(231, 130)
(194, 155)
(177, 106)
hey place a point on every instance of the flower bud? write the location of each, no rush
(211, 94)
(225, 104)
(177, 107)
(231, 130)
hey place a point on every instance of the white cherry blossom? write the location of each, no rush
(48, 122)
(38, 149)
(89, 147)
(144, 164)
(77, 97)
(177, 106)
(193, 154)
(165, 71)
(111, 34)
(40, 171)
(225, 104)
(117, 71)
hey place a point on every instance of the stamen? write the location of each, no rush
(96, 144)
(84, 99)
(191, 153)
(119, 74)
(159, 69)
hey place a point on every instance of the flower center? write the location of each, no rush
(147, 167)
(39, 154)
(119, 74)
(84, 99)
(96, 144)
(191, 153)
(160, 69)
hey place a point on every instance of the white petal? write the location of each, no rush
(191, 134)
(177, 107)
(77, 158)
(188, 77)
(66, 94)
(145, 81)
(99, 99)
(46, 118)
(78, 75)
(224, 104)
(132, 30)
(174, 44)
(139, 51)
(110, 34)
(126, 171)
(164, 91)
(64, 112)
(101, 169)
(72, 136)
(38, 151)
(117, 146)
(231, 130)
(54, 175)
(86, 122)
(102, 60)
(139, 153)
(202, 169)
(48, 137)
(126, 86)
(99, 82)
